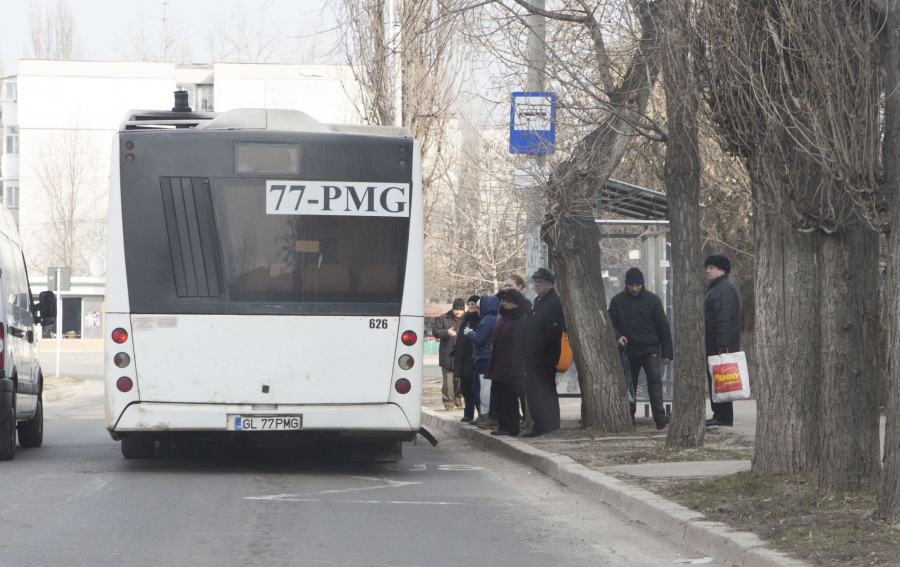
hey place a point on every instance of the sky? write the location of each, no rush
(104, 25)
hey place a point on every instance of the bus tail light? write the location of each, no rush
(409, 338)
(119, 336)
(124, 384)
(406, 362)
(403, 386)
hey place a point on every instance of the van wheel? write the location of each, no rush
(8, 435)
(138, 448)
(31, 433)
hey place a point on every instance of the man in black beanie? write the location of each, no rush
(722, 317)
(642, 328)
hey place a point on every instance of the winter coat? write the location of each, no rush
(543, 331)
(441, 325)
(722, 311)
(642, 320)
(463, 365)
(481, 336)
(507, 363)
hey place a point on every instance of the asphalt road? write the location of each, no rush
(76, 502)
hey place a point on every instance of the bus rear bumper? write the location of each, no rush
(345, 420)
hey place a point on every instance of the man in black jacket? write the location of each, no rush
(541, 342)
(445, 330)
(722, 313)
(640, 322)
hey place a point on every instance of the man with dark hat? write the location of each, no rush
(642, 329)
(445, 330)
(722, 314)
(541, 341)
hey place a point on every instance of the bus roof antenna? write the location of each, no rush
(181, 102)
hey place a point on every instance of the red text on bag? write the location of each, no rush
(727, 378)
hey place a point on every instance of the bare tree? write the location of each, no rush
(483, 241)
(682, 175)
(70, 194)
(888, 508)
(239, 36)
(794, 89)
(603, 63)
(164, 39)
(52, 32)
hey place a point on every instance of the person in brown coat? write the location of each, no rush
(445, 330)
(506, 367)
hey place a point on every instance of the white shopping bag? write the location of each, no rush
(731, 380)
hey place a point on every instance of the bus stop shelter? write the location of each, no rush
(637, 237)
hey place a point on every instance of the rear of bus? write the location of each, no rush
(265, 275)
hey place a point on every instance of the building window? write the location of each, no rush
(11, 196)
(205, 98)
(9, 91)
(11, 140)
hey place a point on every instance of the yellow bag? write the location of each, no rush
(565, 354)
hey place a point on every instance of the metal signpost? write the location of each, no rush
(59, 279)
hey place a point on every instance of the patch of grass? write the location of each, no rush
(788, 511)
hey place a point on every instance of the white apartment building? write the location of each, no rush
(58, 120)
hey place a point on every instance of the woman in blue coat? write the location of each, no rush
(481, 350)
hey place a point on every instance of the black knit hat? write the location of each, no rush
(634, 276)
(458, 303)
(720, 262)
(545, 274)
(512, 295)
(473, 299)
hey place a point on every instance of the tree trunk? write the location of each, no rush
(683, 189)
(888, 508)
(850, 366)
(575, 239)
(576, 261)
(787, 342)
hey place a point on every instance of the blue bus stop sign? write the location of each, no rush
(532, 123)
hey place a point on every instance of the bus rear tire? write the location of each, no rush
(31, 433)
(138, 448)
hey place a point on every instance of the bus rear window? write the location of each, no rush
(329, 263)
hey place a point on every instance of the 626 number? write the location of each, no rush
(378, 324)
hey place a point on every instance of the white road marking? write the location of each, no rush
(280, 498)
(695, 561)
(459, 468)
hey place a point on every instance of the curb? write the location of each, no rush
(677, 522)
(50, 395)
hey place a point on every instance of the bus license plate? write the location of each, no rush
(268, 423)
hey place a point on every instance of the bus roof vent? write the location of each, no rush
(292, 121)
(164, 119)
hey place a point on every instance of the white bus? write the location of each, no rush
(264, 277)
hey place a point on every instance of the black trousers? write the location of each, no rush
(650, 363)
(465, 386)
(543, 400)
(723, 411)
(507, 406)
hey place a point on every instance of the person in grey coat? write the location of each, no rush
(642, 329)
(722, 316)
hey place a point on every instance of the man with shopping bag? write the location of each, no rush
(722, 314)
